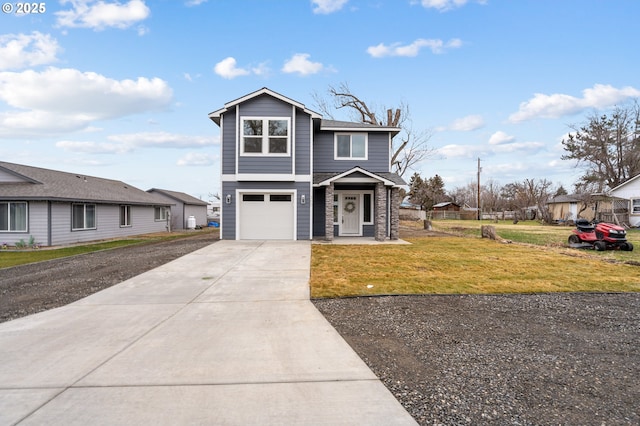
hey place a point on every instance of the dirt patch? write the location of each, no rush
(28, 289)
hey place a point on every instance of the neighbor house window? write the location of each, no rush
(350, 146)
(160, 213)
(125, 216)
(265, 136)
(13, 216)
(83, 216)
(635, 206)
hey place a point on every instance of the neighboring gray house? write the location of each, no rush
(58, 208)
(289, 174)
(183, 206)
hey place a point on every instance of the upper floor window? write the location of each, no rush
(265, 136)
(83, 216)
(350, 146)
(13, 216)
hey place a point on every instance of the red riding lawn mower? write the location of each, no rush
(599, 236)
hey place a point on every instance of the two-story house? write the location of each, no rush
(289, 174)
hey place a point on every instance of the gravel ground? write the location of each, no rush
(28, 289)
(504, 359)
(546, 359)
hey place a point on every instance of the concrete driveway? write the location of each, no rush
(224, 335)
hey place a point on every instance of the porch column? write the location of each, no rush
(395, 214)
(328, 212)
(380, 230)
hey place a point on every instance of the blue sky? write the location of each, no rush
(122, 89)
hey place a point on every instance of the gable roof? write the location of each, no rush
(178, 196)
(34, 183)
(626, 182)
(388, 178)
(215, 115)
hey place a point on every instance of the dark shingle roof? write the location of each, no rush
(179, 196)
(43, 184)
(336, 125)
(318, 178)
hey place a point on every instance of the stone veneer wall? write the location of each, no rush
(328, 213)
(380, 212)
(395, 214)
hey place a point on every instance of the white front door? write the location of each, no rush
(351, 215)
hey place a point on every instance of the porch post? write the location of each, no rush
(328, 212)
(381, 212)
(395, 214)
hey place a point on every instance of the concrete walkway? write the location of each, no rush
(225, 335)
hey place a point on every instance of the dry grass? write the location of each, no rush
(453, 265)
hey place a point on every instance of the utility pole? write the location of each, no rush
(479, 170)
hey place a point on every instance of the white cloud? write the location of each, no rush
(197, 159)
(26, 50)
(191, 3)
(528, 147)
(467, 124)
(327, 6)
(396, 49)
(461, 151)
(100, 14)
(129, 142)
(66, 99)
(162, 140)
(501, 137)
(558, 105)
(227, 69)
(445, 5)
(300, 63)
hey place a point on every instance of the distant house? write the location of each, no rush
(571, 207)
(182, 206)
(447, 206)
(58, 208)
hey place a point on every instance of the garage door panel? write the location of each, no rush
(267, 216)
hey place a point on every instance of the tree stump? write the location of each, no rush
(488, 231)
(427, 225)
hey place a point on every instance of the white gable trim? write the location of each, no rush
(344, 177)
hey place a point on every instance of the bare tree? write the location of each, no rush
(409, 147)
(608, 148)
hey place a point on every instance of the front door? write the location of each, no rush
(351, 215)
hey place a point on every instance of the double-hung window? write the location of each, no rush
(125, 216)
(350, 146)
(83, 216)
(635, 206)
(266, 136)
(13, 216)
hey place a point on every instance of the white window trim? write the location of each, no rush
(163, 217)
(8, 203)
(95, 216)
(631, 212)
(128, 218)
(265, 137)
(350, 158)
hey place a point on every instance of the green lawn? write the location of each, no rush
(471, 265)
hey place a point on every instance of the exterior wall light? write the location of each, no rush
(303, 199)
(227, 199)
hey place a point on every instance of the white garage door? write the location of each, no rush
(266, 216)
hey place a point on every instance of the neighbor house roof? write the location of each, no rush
(625, 183)
(564, 199)
(179, 196)
(34, 183)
